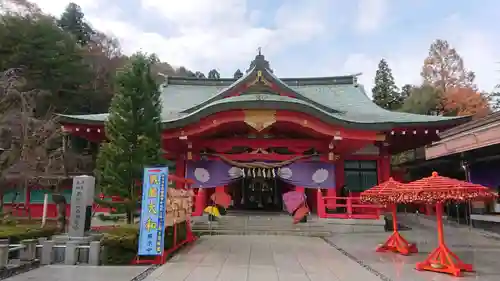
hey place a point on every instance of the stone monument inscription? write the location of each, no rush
(81, 197)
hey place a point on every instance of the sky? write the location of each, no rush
(302, 38)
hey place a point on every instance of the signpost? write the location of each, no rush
(152, 224)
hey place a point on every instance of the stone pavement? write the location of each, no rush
(470, 246)
(260, 257)
(80, 273)
(350, 256)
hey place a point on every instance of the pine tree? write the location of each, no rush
(238, 74)
(213, 74)
(133, 130)
(73, 21)
(406, 91)
(385, 93)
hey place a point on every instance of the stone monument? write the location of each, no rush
(82, 199)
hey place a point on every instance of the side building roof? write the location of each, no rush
(340, 100)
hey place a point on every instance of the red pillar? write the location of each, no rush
(27, 196)
(200, 202)
(180, 170)
(321, 209)
(339, 182)
(384, 165)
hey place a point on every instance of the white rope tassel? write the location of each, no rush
(253, 172)
(259, 172)
(273, 172)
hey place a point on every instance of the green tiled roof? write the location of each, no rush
(332, 99)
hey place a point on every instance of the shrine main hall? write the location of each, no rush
(259, 136)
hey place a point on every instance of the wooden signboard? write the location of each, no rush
(179, 206)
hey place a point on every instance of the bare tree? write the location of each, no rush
(34, 149)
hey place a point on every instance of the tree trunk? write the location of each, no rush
(1, 202)
(61, 216)
(130, 216)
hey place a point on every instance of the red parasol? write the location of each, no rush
(221, 198)
(300, 213)
(382, 194)
(437, 189)
(293, 200)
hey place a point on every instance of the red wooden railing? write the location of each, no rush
(353, 208)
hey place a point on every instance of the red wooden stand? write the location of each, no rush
(442, 259)
(161, 259)
(396, 243)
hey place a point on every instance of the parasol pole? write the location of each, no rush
(396, 242)
(442, 259)
(439, 219)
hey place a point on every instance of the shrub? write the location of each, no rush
(17, 233)
(121, 243)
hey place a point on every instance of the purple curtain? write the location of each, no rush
(309, 174)
(210, 173)
(485, 173)
(213, 173)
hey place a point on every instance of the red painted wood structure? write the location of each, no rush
(381, 194)
(260, 117)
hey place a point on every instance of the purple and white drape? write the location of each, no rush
(213, 173)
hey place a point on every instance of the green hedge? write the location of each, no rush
(121, 242)
(18, 233)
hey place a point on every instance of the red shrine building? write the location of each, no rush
(259, 136)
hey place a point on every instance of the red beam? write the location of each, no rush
(260, 157)
(292, 144)
(319, 126)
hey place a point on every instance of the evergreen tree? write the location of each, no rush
(133, 130)
(72, 21)
(238, 74)
(405, 92)
(385, 92)
(422, 100)
(213, 74)
(50, 61)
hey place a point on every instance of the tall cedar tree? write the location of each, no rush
(50, 61)
(385, 91)
(73, 21)
(134, 133)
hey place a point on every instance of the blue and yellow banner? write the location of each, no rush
(152, 225)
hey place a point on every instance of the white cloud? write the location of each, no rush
(476, 46)
(226, 33)
(371, 14)
(203, 35)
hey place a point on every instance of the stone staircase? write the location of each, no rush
(261, 223)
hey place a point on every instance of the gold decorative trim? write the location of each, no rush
(260, 119)
(260, 79)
